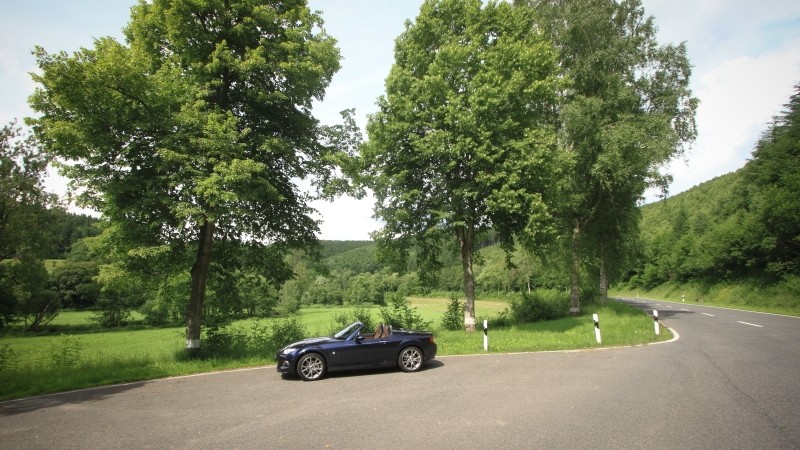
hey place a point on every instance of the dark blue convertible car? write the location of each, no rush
(356, 348)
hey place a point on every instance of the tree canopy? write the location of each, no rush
(463, 140)
(197, 129)
(626, 111)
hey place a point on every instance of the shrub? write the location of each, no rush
(453, 318)
(231, 341)
(502, 319)
(285, 332)
(589, 295)
(360, 314)
(538, 306)
(222, 341)
(67, 353)
(401, 316)
(7, 357)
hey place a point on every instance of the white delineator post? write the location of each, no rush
(596, 328)
(485, 335)
(655, 321)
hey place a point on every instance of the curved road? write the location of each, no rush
(732, 380)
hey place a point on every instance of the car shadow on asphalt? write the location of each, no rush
(428, 365)
(23, 405)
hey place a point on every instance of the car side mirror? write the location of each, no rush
(359, 339)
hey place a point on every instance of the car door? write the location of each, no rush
(363, 352)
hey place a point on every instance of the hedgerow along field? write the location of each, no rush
(71, 360)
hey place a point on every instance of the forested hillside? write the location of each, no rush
(743, 227)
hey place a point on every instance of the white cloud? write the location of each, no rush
(346, 219)
(739, 97)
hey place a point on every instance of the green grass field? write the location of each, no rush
(32, 365)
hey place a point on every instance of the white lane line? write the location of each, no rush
(751, 324)
(684, 309)
(707, 314)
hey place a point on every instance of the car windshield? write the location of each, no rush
(346, 332)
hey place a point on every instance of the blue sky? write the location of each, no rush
(746, 58)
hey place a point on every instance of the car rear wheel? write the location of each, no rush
(311, 367)
(410, 359)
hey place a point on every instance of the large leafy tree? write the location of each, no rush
(463, 140)
(197, 129)
(24, 219)
(628, 111)
(27, 230)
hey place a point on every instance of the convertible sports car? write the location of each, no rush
(356, 348)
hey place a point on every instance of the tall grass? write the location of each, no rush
(778, 298)
(43, 364)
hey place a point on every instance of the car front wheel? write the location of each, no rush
(410, 359)
(311, 367)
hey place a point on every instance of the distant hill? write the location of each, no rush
(355, 256)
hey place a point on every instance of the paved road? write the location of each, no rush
(729, 382)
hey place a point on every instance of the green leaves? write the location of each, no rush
(464, 117)
(198, 128)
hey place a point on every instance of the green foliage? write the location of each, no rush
(8, 357)
(354, 256)
(774, 174)
(123, 356)
(453, 318)
(284, 332)
(463, 140)
(167, 305)
(627, 110)
(261, 338)
(66, 353)
(359, 314)
(402, 316)
(193, 132)
(740, 226)
(121, 291)
(752, 294)
(75, 284)
(25, 222)
(539, 306)
(25, 294)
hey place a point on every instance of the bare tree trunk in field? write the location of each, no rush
(465, 238)
(199, 272)
(603, 274)
(574, 293)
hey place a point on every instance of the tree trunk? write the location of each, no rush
(574, 294)
(199, 272)
(603, 274)
(465, 239)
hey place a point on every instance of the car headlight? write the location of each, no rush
(288, 351)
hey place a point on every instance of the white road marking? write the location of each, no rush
(707, 314)
(684, 309)
(751, 324)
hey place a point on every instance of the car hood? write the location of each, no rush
(311, 341)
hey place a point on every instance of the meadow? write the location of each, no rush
(76, 355)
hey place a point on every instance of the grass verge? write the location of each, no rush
(781, 298)
(46, 364)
